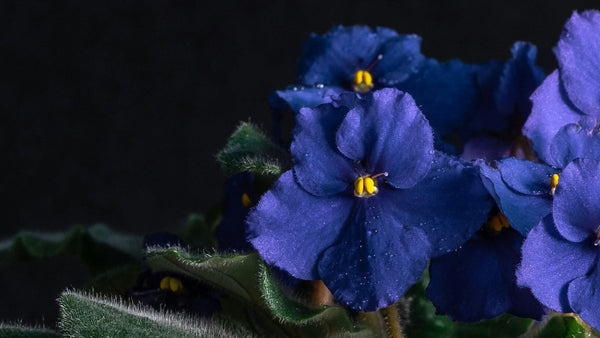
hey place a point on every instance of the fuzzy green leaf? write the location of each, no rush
(248, 149)
(563, 325)
(85, 315)
(423, 321)
(198, 231)
(20, 331)
(247, 279)
(98, 246)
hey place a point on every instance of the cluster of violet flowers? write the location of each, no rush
(487, 175)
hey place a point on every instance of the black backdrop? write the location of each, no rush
(112, 111)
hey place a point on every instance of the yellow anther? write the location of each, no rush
(369, 185)
(498, 222)
(359, 187)
(171, 283)
(363, 81)
(553, 183)
(164, 283)
(246, 201)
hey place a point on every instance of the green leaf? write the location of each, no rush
(423, 322)
(561, 325)
(247, 279)
(248, 149)
(20, 331)
(85, 315)
(116, 281)
(98, 246)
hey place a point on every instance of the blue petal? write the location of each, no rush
(376, 259)
(390, 134)
(523, 211)
(576, 207)
(319, 167)
(485, 147)
(231, 231)
(520, 77)
(577, 53)
(296, 97)
(551, 110)
(333, 58)
(449, 204)
(445, 92)
(290, 228)
(584, 297)
(526, 177)
(478, 281)
(550, 262)
(576, 140)
(401, 58)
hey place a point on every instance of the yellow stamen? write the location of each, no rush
(359, 186)
(369, 185)
(246, 201)
(498, 222)
(363, 81)
(171, 283)
(554, 183)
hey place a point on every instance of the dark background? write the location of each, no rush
(112, 111)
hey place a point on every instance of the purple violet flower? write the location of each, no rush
(368, 201)
(573, 91)
(561, 255)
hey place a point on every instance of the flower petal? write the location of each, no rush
(390, 134)
(290, 228)
(576, 207)
(445, 92)
(476, 282)
(522, 211)
(401, 58)
(450, 204)
(577, 53)
(333, 58)
(551, 110)
(584, 297)
(376, 260)
(526, 177)
(319, 167)
(550, 262)
(576, 140)
(296, 97)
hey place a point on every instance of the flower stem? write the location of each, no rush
(392, 321)
(321, 294)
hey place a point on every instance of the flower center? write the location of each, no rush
(365, 186)
(246, 201)
(554, 183)
(363, 80)
(171, 283)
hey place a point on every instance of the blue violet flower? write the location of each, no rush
(368, 200)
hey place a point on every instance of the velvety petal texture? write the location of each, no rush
(576, 207)
(388, 257)
(550, 262)
(478, 281)
(454, 190)
(576, 140)
(577, 53)
(296, 97)
(445, 92)
(584, 297)
(363, 136)
(551, 111)
(319, 167)
(291, 228)
(524, 210)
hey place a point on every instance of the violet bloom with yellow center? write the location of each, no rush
(368, 201)
(561, 255)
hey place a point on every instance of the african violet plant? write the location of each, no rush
(418, 198)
